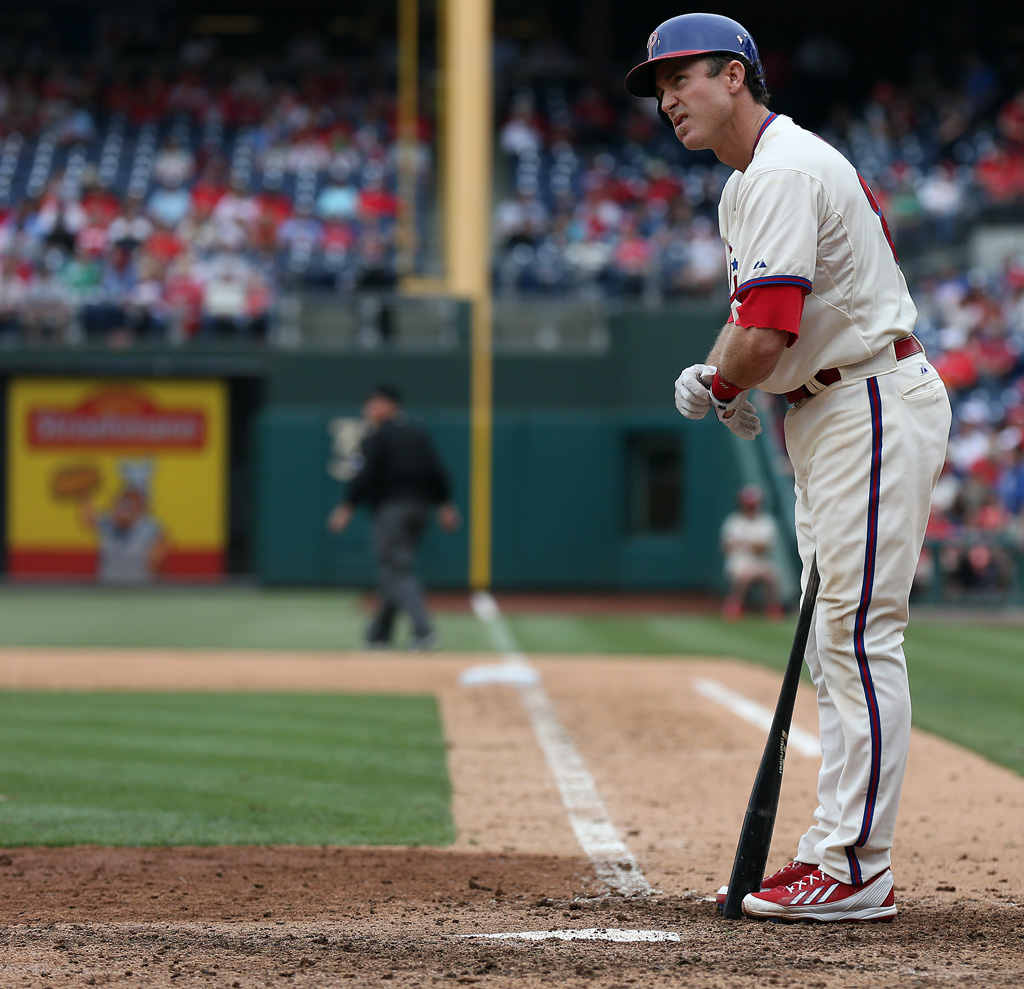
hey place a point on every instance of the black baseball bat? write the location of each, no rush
(759, 820)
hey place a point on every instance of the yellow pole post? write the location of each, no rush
(468, 127)
(408, 119)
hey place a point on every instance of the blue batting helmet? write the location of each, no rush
(692, 34)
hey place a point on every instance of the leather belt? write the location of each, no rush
(905, 347)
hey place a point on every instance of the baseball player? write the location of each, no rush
(819, 313)
(748, 541)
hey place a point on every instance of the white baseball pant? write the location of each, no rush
(866, 455)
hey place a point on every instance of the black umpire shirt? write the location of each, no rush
(399, 462)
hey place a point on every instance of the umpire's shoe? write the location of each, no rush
(424, 643)
(819, 897)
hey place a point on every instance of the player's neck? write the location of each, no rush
(737, 149)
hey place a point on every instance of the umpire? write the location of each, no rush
(400, 479)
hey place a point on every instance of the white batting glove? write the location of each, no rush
(738, 414)
(693, 399)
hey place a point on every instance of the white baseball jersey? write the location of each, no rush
(801, 215)
(749, 543)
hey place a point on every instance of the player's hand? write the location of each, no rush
(738, 414)
(693, 399)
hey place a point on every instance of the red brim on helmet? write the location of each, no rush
(640, 79)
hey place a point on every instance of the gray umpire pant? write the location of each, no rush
(396, 532)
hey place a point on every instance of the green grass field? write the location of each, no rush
(222, 769)
(212, 769)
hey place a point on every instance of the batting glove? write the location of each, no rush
(733, 408)
(693, 398)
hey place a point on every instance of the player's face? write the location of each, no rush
(698, 105)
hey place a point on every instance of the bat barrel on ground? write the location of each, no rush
(759, 820)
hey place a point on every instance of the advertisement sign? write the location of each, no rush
(119, 481)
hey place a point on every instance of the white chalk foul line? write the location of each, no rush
(805, 742)
(612, 860)
(585, 934)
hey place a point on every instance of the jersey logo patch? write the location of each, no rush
(924, 370)
(760, 264)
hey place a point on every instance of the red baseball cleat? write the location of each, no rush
(787, 874)
(820, 897)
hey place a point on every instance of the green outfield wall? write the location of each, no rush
(582, 499)
(598, 483)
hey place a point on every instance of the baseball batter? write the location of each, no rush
(820, 313)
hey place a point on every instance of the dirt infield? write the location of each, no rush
(674, 771)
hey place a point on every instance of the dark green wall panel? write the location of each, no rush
(559, 503)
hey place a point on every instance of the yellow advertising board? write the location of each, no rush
(116, 480)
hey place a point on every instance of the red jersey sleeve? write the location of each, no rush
(773, 307)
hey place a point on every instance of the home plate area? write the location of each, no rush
(516, 902)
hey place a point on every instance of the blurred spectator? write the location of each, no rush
(521, 133)
(1000, 173)
(94, 236)
(376, 200)
(207, 190)
(339, 198)
(301, 233)
(236, 299)
(47, 310)
(703, 271)
(101, 205)
(183, 295)
(169, 203)
(19, 230)
(520, 219)
(60, 217)
(149, 312)
(971, 440)
(13, 293)
(629, 268)
(235, 215)
(131, 228)
(174, 163)
(942, 199)
(75, 123)
(109, 316)
(163, 244)
(1010, 122)
(81, 276)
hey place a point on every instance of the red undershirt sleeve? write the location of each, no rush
(772, 307)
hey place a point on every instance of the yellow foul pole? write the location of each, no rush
(468, 126)
(408, 116)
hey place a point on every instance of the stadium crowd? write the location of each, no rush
(180, 205)
(177, 208)
(629, 214)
